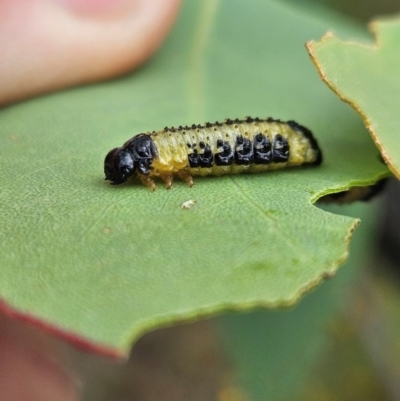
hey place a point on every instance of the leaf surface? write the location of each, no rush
(263, 346)
(367, 77)
(102, 264)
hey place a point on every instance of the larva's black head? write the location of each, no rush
(119, 165)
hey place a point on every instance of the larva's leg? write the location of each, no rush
(167, 178)
(147, 181)
(186, 176)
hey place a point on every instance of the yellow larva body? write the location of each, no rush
(232, 147)
(173, 150)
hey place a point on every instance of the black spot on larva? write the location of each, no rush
(243, 151)
(294, 125)
(143, 150)
(165, 129)
(180, 127)
(193, 126)
(262, 149)
(228, 121)
(206, 159)
(144, 166)
(248, 119)
(194, 159)
(189, 145)
(224, 158)
(280, 153)
(208, 125)
(141, 146)
(202, 145)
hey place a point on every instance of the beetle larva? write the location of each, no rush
(235, 146)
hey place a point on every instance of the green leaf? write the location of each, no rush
(264, 347)
(102, 263)
(367, 77)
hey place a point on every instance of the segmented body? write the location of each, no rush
(232, 147)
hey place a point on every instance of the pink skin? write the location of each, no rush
(46, 45)
(31, 366)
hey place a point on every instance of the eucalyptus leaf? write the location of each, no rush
(265, 347)
(367, 77)
(102, 264)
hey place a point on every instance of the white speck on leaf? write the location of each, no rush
(188, 204)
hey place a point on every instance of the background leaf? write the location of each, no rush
(106, 263)
(367, 78)
(274, 355)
